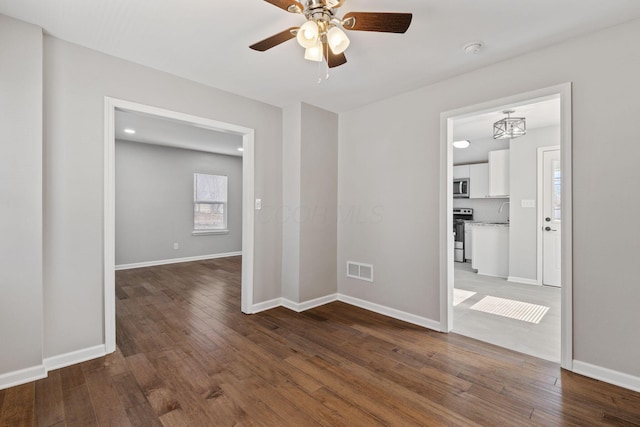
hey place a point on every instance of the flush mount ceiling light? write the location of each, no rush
(240, 149)
(509, 127)
(130, 131)
(322, 36)
(461, 144)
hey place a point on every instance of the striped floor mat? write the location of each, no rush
(518, 310)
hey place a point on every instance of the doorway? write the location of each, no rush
(448, 272)
(247, 135)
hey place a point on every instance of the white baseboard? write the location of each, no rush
(78, 356)
(266, 305)
(175, 260)
(307, 305)
(391, 312)
(516, 279)
(23, 376)
(607, 375)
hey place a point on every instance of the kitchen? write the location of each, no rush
(499, 291)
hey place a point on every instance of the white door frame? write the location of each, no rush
(110, 105)
(446, 206)
(540, 207)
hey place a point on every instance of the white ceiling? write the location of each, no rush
(207, 41)
(173, 133)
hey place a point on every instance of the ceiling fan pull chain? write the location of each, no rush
(320, 72)
(327, 61)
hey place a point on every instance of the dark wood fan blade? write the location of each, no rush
(289, 5)
(382, 22)
(334, 60)
(274, 40)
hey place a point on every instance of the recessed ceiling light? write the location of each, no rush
(461, 144)
(130, 131)
(240, 149)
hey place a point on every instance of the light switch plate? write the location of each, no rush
(527, 203)
(258, 204)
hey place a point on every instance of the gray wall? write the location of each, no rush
(523, 185)
(319, 200)
(76, 80)
(20, 195)
(292, 136)
(390, 155)
(154, 202)
(310, 171)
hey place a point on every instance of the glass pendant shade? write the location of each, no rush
(338, 40)
(314, 53)
(308, 34)
(509, 127)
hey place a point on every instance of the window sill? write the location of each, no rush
(208, 232)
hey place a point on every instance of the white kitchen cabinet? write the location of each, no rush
(461, 171)
(479, 181)
(490, 244)
(499, 173)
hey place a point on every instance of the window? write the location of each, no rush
(209, 203)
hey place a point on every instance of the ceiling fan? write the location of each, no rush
(321, 35)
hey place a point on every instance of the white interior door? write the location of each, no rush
(552, 218)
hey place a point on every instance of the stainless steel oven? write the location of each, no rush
(461, 188)
(460, 216)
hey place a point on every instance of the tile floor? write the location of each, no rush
(540, 340)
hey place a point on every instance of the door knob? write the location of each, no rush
(549, 229)
(547, 219)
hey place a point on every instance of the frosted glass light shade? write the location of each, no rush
(308, 34)
(338, 40)
(314, 53)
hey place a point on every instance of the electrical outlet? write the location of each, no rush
(176, 246)
(527, 203)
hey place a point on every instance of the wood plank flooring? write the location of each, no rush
(187, 356)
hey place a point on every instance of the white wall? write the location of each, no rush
(523, 185)
(390, 156)
(20, 196)
(76, 80)
(154, 202)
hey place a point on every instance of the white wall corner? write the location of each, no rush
(266, 305)
(23, 376)
(607, 375)
(74, 357)
(307, 305)
(391, 312)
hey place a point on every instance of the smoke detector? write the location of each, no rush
(473, 47)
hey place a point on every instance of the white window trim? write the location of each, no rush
(222, 230)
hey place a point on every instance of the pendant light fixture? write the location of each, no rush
(509, 127)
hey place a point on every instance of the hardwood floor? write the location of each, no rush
(187, 356)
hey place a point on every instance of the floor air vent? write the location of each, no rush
(357, 270)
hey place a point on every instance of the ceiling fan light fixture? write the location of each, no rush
(314, 53)
(308, 34)
(338, 40)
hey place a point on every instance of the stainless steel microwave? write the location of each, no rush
(461, 188)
